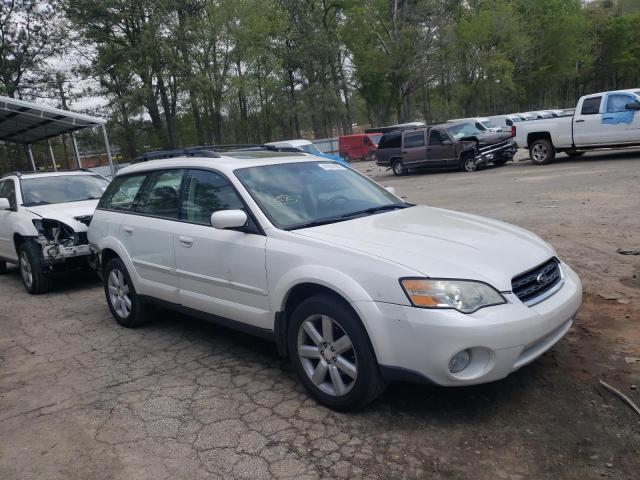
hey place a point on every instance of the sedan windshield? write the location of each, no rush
(463, 130)
(312, 149)
(62, 189)
(307, 194)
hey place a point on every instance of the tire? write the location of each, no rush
(123, 301)
(542, 152)
(398, 168)
(3, 267)
(574, 153)
(468, 164)
(335, 385)
(34, 278)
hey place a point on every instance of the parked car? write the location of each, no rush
(527, 116)
(449, 145)
(355, 285)
(484, 124)
(602, 120)
(360, 146)
(505, 122)
(305, 146)
(44, 218)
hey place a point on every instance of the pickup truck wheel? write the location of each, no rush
(398, 168)
(122, 299)
(542, 152)
(331, 352)
(469, 163)
(34, 279)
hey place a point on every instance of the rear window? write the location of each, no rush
(390, 140)
(591, 106)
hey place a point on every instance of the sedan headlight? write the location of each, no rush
(466, 296)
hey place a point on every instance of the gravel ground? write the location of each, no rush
(82, 398)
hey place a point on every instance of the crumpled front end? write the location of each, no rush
(59, 242)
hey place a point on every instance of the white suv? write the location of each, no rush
(44, 218)
(355, 285)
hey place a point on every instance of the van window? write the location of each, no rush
(207, 192)
(390, 140)
(122, 192)
(414, 139)
(591, 106)
(161, 194)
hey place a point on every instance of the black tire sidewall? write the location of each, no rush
(368, 378)
(41, 281)
(551, 155)
(134, 315)
(402, 169)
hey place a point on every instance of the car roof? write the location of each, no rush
(227, 162)
(290, 143)
(57, 174)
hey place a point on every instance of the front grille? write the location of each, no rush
(531, 284)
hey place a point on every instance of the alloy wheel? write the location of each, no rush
(119, 293)
(327, 355)
(539, 152)
(25, 269)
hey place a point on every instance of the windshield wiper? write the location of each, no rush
(316, 223)
(372, 210)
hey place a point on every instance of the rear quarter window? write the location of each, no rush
(390, 140)
(122, 192)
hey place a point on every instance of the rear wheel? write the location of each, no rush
(123, 301)
(332, 354)
(398, 168)
(542, 152)
(34, 279)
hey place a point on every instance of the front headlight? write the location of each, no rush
(466, 296)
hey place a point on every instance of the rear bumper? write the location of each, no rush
(417, 344)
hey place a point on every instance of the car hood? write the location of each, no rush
(67, 213)
(441, 243)
(489, 138)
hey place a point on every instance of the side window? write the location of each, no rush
(617, 102)
(206, 192)
(366, 140)
(591, 106)
(122, 192)
(414, 139)
(437, 137)
(8, 191)
(161, 194)
(390, 140)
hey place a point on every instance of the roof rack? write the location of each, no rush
(269, 148)
(180, 152)
(62, 170)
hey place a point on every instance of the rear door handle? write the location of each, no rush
(186, 242)
(608, 118)
(127, 230)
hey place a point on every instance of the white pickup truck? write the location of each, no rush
(601, 120)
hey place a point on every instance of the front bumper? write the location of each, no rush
(503, 338)
(491, 153)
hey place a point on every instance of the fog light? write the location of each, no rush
(460, 361)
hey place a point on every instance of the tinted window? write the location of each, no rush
(390, 140)
(618, 102)
(437, 137)
(414, 139)
(161, 194)
(206, 192)
(122, 192)
(591, 106)
(8, 191)
(62, 189)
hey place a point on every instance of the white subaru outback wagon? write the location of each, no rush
(355, 285)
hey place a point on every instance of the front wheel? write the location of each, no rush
(398, 168)
(34, 279)
(332, 354)
(542, 152)
(123, 301)
(468, 163)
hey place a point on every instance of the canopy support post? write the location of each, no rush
(30, 152)
(108, 148)
(75, 149)
(53, 158)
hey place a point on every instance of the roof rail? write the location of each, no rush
(269, 148)
(179, 152)
(11, 174)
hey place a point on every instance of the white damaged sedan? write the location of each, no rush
(355, 285)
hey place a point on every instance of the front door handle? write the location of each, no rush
(186, 242)
(579, 121)
(608, 118)
(127, 230)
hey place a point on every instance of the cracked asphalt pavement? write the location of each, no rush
(83, 398)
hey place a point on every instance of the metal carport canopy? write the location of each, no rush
(27, 122)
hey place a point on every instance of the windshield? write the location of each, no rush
(488, 124)
(312, 149)
(375, 138)
(463, 130)
(62, 189)
(298, 195)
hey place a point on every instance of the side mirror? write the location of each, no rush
(632, 106)
(224, 219)
(4, 204)
(390, 190)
